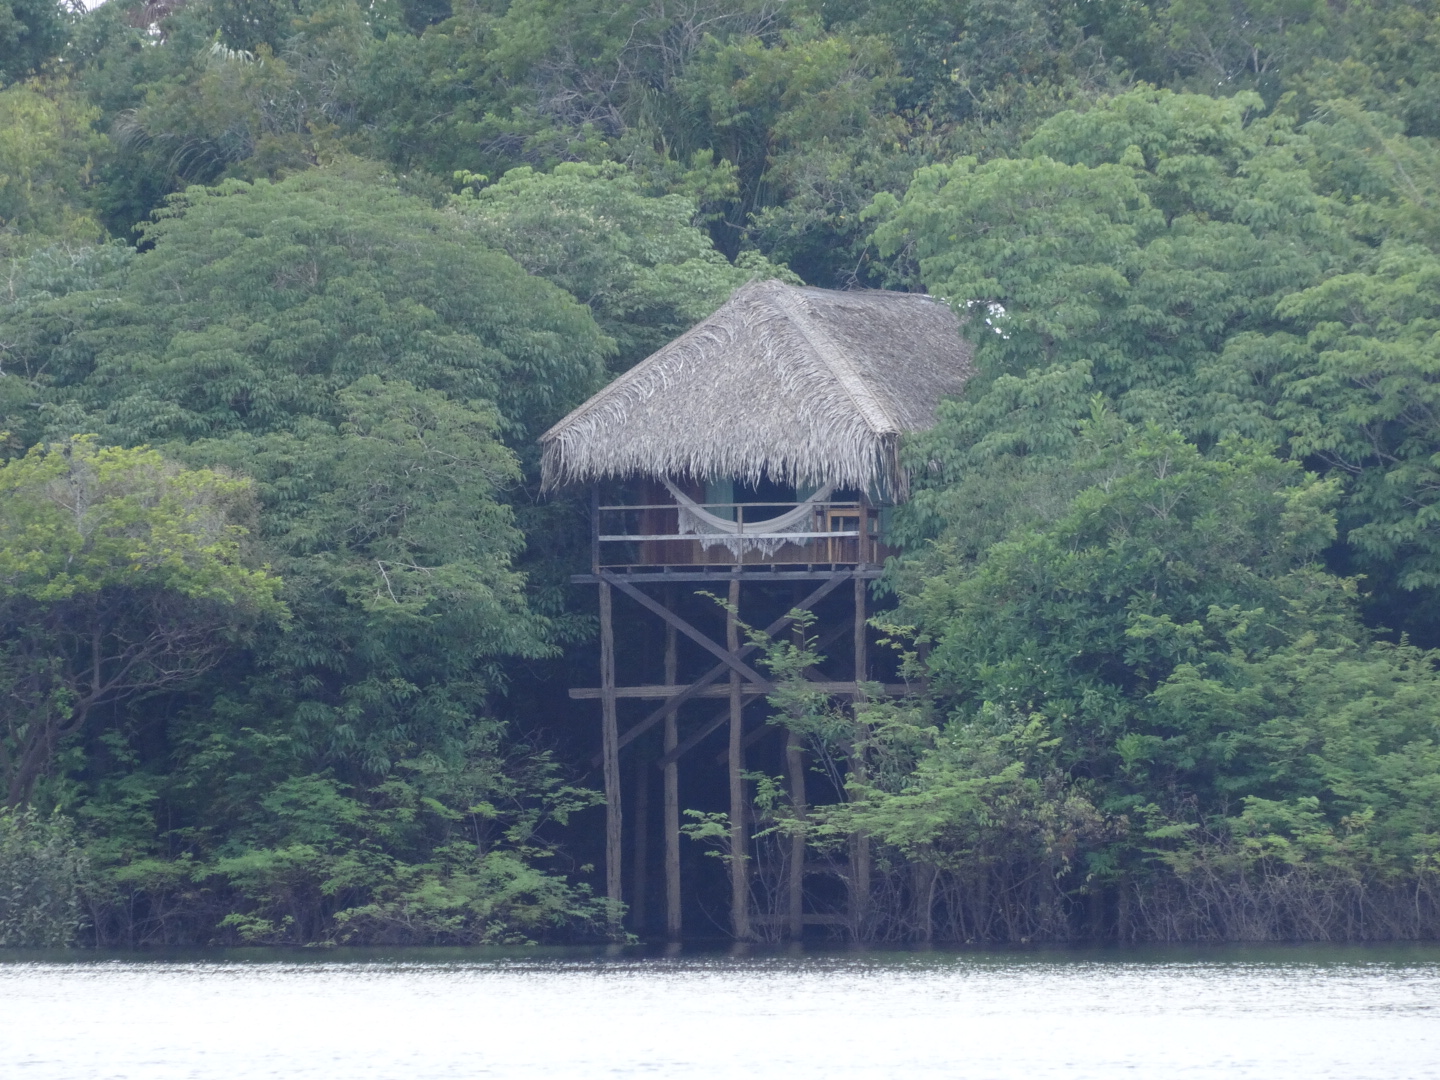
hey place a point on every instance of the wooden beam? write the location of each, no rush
(594, 693)
(696, 738)
(661, 691)
(694, 689)
(718, 721)
(729, 657)
(650, 574)
(822, 686)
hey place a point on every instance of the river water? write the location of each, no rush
(1274, 1014)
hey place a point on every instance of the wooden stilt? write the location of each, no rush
(610, 739)
(739, 843)
(795, 766)
(862, 659)
(860, 843)
(713, 675)
(640, 853)
(672, 790)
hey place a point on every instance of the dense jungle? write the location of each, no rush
(291, 287)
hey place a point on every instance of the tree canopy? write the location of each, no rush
(305, 280)
(120, 574)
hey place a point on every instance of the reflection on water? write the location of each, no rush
(1275, 1014)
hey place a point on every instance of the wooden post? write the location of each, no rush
(739, 845)
(640, 856)
(610, 738)
(862, 666)
(860, 843)
(672, 789)
(795, 766)
(595, 528)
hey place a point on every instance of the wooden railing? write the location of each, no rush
(834, 533)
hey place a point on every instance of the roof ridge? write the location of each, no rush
(877, 416)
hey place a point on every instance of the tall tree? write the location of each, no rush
(120, 574)
(32, 32)
(638, 261)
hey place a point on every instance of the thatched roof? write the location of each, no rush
(808, 385)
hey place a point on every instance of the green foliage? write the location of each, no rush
(1046, 620)
(42, 869)
(1152, 704)
(808, 123)
(1138, 236)
(48, 152)
(32, 32)
(80, 519)
(121, 574)
(962, 58)
(638, 261)
(1156, 680)
(1361, 396)
(398, 559)
(314, 849)
(261, 301)
(363, 359)
(438, 852)
(990, 464)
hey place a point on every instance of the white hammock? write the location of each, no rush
(715, 531)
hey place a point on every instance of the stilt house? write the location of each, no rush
(761, 449)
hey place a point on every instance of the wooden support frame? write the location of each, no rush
(820, 684)
(742, 686)
(728, 657)
(831, 583)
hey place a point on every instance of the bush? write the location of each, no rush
(41, 869)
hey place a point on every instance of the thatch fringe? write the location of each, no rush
(809, 386)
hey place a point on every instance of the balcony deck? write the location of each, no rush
(647, 537)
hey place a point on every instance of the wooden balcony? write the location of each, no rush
(833, 534)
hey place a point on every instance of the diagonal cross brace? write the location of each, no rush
(719, 721)
(723, 654)
(693, 690)
(700, 735)
(811, 673)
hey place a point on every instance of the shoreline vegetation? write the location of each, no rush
(290, 288)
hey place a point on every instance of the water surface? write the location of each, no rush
(1351, 1013)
